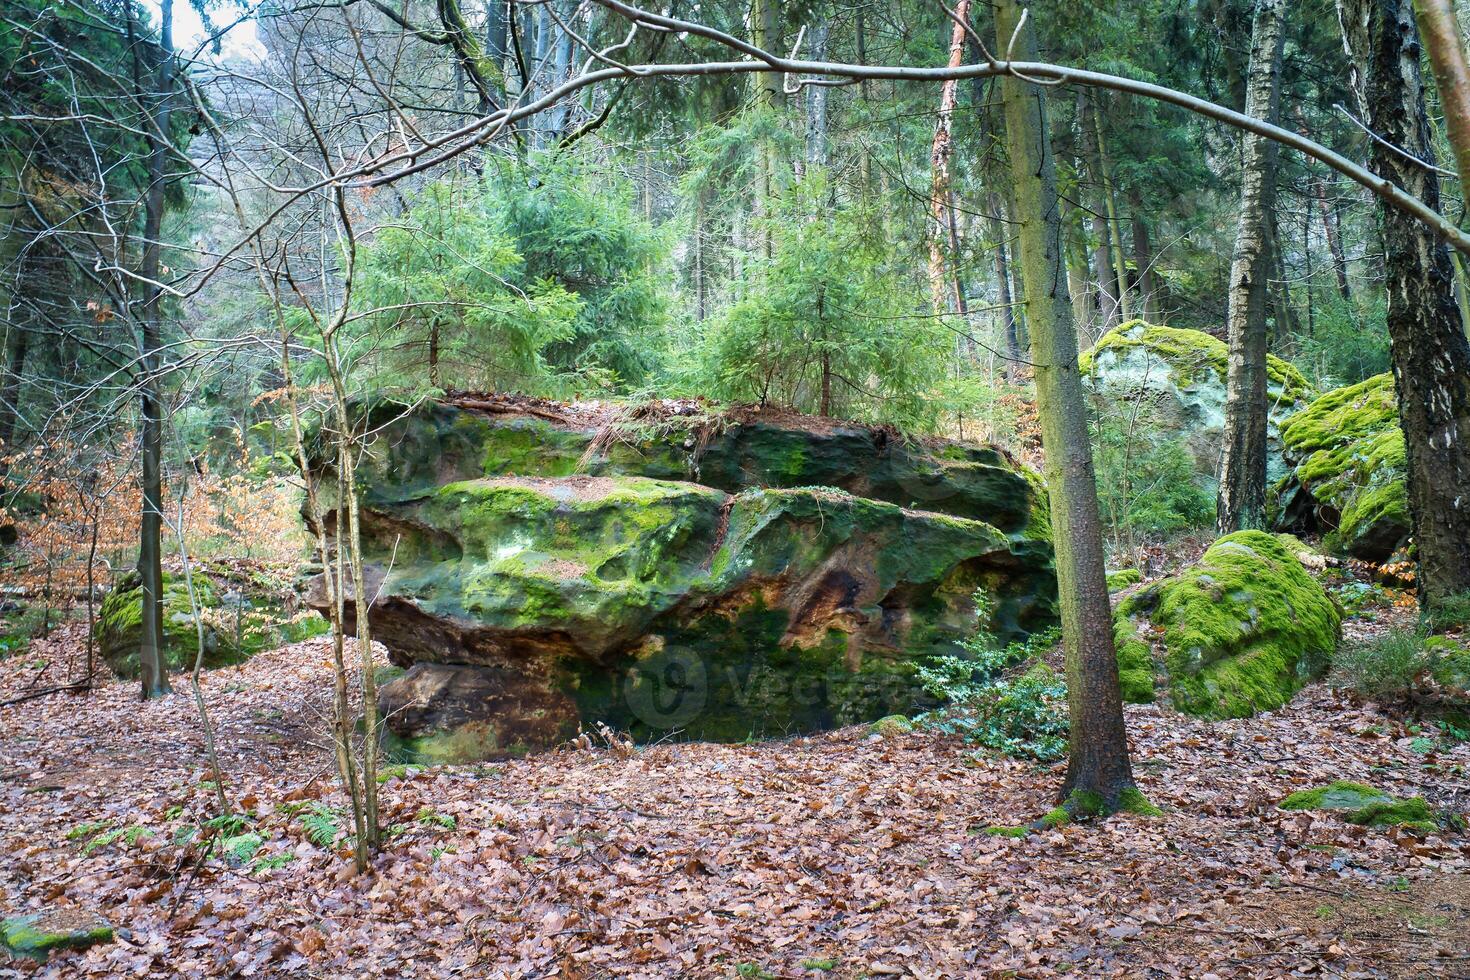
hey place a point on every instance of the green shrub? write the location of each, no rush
(1022, 717)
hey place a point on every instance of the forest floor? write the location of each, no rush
(839, 855)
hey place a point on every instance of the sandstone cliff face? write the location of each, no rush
(538, 568)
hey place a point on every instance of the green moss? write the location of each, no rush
(1135, 662)
(1132, 800)
(1350, 461)
(1190, 352)
(891, 726)
(1244, 629)
(1361, 804)
(1003, 831)
(119, 627)
(1123, 578)
(35, 936)
(1055, 817)
(467, 743)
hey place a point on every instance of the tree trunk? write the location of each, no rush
(941, 202)
(1431, 356)
(20, 341)
(816, 102)
(1098, 760)
(1110, 204)
(1003, 289)
(153, 671)
(1446, 49)
(1242, 498)
(1143, 257)
(1104, 274)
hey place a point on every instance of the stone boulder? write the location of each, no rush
(1348, 476)
(1239, 632)
(722, 576)
(242, 610)
(1170, 384)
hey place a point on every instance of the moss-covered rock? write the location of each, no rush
(1122, 578)
(1360, 804)
(119, 626)
(243, 614)
(1348, 471)
(38, 934)
(1170, 383)
(1242, 631)
(891, 726)
(530, 605)
(420, 448)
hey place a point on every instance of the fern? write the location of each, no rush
(242, 847)
(321, 823)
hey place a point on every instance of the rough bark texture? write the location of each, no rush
(1242, 500)
(1098, 760)
(1431, 356)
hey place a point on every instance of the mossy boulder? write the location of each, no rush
(1360, 804)
(1348, 478)
(529, 606)
(119, 626)
(37, 935)
(1240, 632)
(1169, 383)
(244, 612)
(426, 445)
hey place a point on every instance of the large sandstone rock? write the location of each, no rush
(1239, 632)
(540, 568)
(1170, 383)
(1348, 471)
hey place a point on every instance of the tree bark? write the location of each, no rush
(1098, 758)
(20, 341)
(1143, 257)
(1003, 289)
(153, 671)
(941, 201)
(1104, 273)
(1242, 499)
(1441, 31)
(1431, 355)
(816, 102)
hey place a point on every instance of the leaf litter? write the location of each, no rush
(833, 855)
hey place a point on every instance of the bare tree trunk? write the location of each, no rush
(1103, 271)
(941, 201)
(10, 392)
(1110, 203)
(1431, 355)
(1446, 47)
(1242, 499)
(1143, 257)
(1098, 761)
(153, 670)
(816, 101)
(1003, 288)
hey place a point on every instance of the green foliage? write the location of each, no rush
(825, 324)
(445, 297)
(1146, 486)
(321, 823)
(1386, 664)
(1348, 344)
(576, 223)
(1360, 804)
(1024, 716)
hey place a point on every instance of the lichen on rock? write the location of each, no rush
(1348, 477)
(1242, 631)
